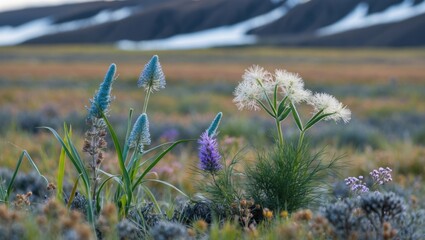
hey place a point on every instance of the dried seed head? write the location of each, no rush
(51, 186)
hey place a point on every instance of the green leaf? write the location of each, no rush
(74, 190)
(152, 198)
(282, 106)
(130, 166)
(126, 147)
(156, 160)
(319, 118)
(284, 114)
(116, 178)
(296, 117)
(159, 146)
(76, 162)
(18, 165)
(266, 109)
(314, 117)
(73, 155)
(167, 184)
(61, 171)
(121, 163)
(102, 185)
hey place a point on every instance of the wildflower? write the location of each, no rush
(209, 155)
(152, 78)
(140, 135)
(102, 99)
(257, 74)
(292, 85)
(356, 184)
(330, 105)
(256, 83)
(382, 175)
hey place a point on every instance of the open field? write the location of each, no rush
(384, 89)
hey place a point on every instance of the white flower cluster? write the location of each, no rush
(292, 85)
(257, 83)
(253, 88)
(330, 105)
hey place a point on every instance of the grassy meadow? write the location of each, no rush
(383, 88)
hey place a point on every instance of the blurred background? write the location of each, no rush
(367, 53)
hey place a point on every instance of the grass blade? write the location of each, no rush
(124, 172)
(167, 184)
(156, 160)
(126, 147)
(61, 172)
(18, 165)
(74, 190)
(152, 197)
(116, 178)
(77, 164)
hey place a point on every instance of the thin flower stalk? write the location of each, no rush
(151, 78)
(95, 142)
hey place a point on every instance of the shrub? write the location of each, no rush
(286, 178)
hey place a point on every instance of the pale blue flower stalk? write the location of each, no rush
(102, 99)
(152, 78)
(140, 135)
(212, 129)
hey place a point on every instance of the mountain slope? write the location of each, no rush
(164, 20)
(148, 24)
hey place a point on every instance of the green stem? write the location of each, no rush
(300, 140)
(279, 131)
(145, 104)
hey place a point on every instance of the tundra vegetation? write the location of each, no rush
(174, 151)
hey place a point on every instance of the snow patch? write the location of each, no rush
(15, 35)
(216, 37)
(358, 18)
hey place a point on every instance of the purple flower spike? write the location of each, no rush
(209, 156)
